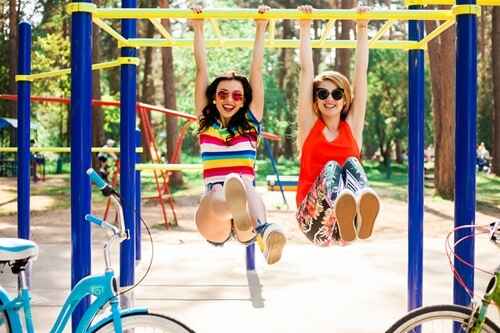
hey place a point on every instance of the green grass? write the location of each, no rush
(395, 187)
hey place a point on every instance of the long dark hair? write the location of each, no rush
(238, 122)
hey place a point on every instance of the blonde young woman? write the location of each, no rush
(334, 201)
(230, 110)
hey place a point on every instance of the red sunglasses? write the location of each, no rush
(236, 95)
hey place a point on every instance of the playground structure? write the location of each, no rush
(463, 14)
(161, 171)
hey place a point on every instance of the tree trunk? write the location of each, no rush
(98, 137)
(148, 89)
(442, 65)
(170, 100)
(13, 22)
(495, 52)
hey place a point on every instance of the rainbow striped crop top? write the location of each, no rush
(220, 158)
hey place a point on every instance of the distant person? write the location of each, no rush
(335, 203)
(483, 158)
(106, 159)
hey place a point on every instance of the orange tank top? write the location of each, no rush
(317, 151)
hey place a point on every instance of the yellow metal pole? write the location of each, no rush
(101, 24)
(64, 150)
(276, 43)
(251, 14)
(167, 167)
(161, 29)
(326, 32)
(435, 33)
(449, 2)
(387, 25)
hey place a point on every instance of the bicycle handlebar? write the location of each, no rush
(96, 179)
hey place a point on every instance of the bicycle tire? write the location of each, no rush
(5, 327)
(144, 322)
(430, 314)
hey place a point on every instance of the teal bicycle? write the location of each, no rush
(17, 253)
(445, 318)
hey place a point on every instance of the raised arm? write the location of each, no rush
(201, 81)
(356, 117)
(256, 81)
(305, 114)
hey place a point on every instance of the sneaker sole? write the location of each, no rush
(238, 208)
(275, 244)
(369, 206)
(345, 211)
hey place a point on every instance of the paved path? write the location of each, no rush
(357, 288)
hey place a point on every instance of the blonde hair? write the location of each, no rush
(341, 82)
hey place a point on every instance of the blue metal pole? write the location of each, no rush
(465, 148)
(250, 255)
(23, 132)
(138, 233)
(416, 111)
(81, 133)
(275, 169)
(128, 100)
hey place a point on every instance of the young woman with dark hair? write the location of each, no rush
(230, 110)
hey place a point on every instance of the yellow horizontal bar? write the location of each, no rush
(274, 43)
(66, 71)
(467, 9)
(167, 167)
(251, 14)
(65, 150)
(449, 2)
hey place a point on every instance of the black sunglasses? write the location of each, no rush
(323, 93)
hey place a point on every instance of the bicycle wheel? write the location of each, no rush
(144, 323)
(438, 318)
(4, 321)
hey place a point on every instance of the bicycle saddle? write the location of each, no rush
(13, 249)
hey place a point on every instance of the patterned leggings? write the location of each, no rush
(315, 214)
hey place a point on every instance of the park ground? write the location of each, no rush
(361, 287)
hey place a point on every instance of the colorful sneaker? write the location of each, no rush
(345, 211)
(367, 206)
(274, 241)
(236, 200)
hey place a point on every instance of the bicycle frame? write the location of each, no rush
(492, 294)
(102, 287)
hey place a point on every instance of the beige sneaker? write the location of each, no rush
(368, 206)
(274, 240)
(345, 211)
(236, 200)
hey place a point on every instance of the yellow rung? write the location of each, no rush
(101, 24)
(387, 25)
(167, 167)
(423, 43)
(276, 43)
(215, 27)
(272, 31)
(326, 31)
(251, 14)
(449, 2)
(161, 29)
(65, 150)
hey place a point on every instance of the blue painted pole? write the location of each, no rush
(23, 132)
(275, 169)
(128, 100)
(81, 133)
(465, 148)
(250, 255)
(138, 233)
(416, 111)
